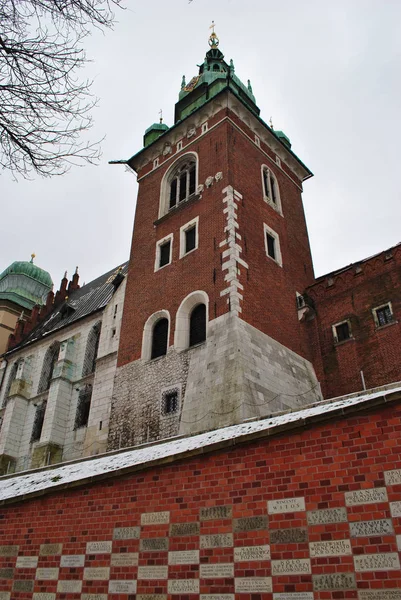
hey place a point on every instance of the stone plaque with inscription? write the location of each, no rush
(9, 550)
(4, 595)
(183, 586)
(366, 496)
(122, 586)
(293, 596)
(216, 571)
(327, 515)
(387, 561)
(391, 594)
(50, 549)
(93, 596)
(208, 513)
(69, 586)
(330, 548)
(286, 505)
(292, 566)
(153, 572)
(181, 529)
(44, 596)
(217, 540)
(253, 585)
(125, 559)
(296, 535)
(183, 557)
(250, 553)
(334, 581)
(126, 533)
(392, 477)
(27, 562)
(154, 544)
(250, 523)
(72, 560)
(99, 547)
(395, 509)
(155, 518)
(398, 538)
(151, 597)
(47, 573)
(96, 573)
(369, 528)
(216, 597)
(23, 585)
(7, 573)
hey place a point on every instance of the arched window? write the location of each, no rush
(191, 321)
(38, 422)
(197, 325)
(179, 183)
(11, 378)
(271, 192)
(159, 338)
(83, 407)
(92, 346)
(48, 365)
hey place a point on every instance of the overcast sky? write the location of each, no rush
(327, 72)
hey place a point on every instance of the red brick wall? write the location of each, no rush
(353, 295)
(319, 465)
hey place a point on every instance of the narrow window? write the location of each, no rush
(342, 331)
(159, 338)
(165, 254)
(173, 193)
(83, 407)
(273, 189)
(11, 378)
(92, 347)
(182, 183)
(192, 180)
(266, 183)
(170, 402)
(197, 325)
(271, 245)
(48, 366)
(38, 422)
(383, 315)
(190, 239)
(183, 186)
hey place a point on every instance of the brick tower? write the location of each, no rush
(212, 333)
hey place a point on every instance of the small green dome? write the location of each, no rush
(153, 132)
(25, 284)
(284, 138)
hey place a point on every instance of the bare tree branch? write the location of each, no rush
(44, 106)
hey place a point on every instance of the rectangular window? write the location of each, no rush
(383, 315)
(165, 250)
(272, 245)
(170, 402)
(189, 237)
(342, 331)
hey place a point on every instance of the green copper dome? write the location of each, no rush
(25, 284)
(153, 132)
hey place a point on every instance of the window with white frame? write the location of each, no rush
(383, 315)
(189, 237)
(342, 331)
(155, 337)
(164, 248)
(272, 244)
(179, 183)
(271, 192)
(191, 321)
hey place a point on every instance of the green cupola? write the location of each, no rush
(25, 284)
(153, 132)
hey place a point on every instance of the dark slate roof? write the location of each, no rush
(83, 302)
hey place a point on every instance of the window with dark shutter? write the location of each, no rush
(271, 245)
(343, 331)
(83, 407)
(164, 254)
(170, 402)
(190, 239)
(197, 325)
(38, 422)
(159, 338)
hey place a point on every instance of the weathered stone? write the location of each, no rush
(9, 550)
(122, 586)
(369, 528)
(69, 586)
(251, 553)
(47, 573)
(292, 566)
(296, 535)
(183, 557)
(155, 518)
(388, 561)
(209, 513)
(330, 548)
(327, 515)
(393, 594)
(7, 573)
(217, 597)
(154, 544)
(216, 571)
(217, 540)
(334, 581)
(395, 509)
(293, 596)
(286, 505)
(183, 586)
(181, 529)
(151, 597)
(126, 533)
(72, 560)
(392, 477)
(27, 562)
(23, 585)
(50, 549)
(250, 523)
(125, 559)
(99, 547)
(156, 572)
(366, 496)
(93, 596)
(44, 596)
(96, 573)
(253, 585)
(4, 595)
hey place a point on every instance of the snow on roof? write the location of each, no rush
(38, 482)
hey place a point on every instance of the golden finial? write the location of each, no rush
(213, 39)
(161, 115)
(271, 123)
(33, 255)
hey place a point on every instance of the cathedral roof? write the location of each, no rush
(25, 284)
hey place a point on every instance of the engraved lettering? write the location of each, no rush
(209, 513)
(393, 594)
(286, 505)
(122, 586)
(293, 566)
(183, 586)
(183, 557)
(154, 544)
(334, 581)
(377, 562)
(7, 573)
(216, 570)
(327, 515)
(368, 528)
(126, 533)
(9, 550)
(250, 523)
(289, 536)
(23, 585)
(67, 586)
(156, 518)
(72, 560)
(98, 547)
(330, 548)
(369, 496)
(250, 553)
(245, 585)
(218, 540)
(47, 573)
(392, 477)
(96, 573)
(50, 549)
(181, 529)
(294, 596)
(126, 559)
(395, 509)
(27, 562)
(152, 572)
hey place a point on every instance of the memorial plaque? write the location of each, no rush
(154, 544)
(9, 550)
(93, 596)
(392, 477)
(327, 515)
(330, 548)
(250, 553)
(369, 528)
(125, 559)
(253, 585)
(126, 533)
(391, 594)
(151, 597)
(44, 596)
(334, 581)
(388, 561)
(183, 586)
(23, 585)
(216, 571)
(216, 597)
(181, 529)
(69, 586)
(298, 535)
(292, 566)
(47, 573)
(96, 573)
(155, 518)
(285, 505)
(250, 524)
(217, 540)
(122, 586)
(156, 572)
(208, 513)
(294, 596)
(369, 496)
(72, 560)
(99, 547)
(27, 562)
(398, 538)
(395, 509)
(183, 557)
(50, 549)
(7, 573)
(4, 595)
